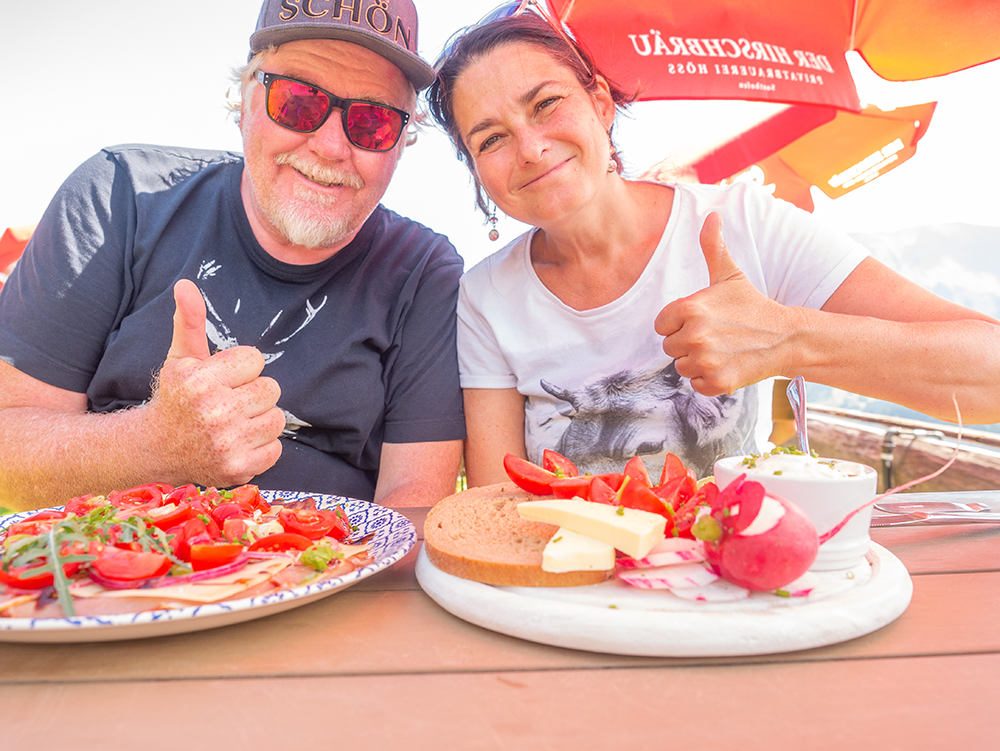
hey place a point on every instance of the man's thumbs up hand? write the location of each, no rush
(213, 417)
(190, 316)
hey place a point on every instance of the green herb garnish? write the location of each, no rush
(68, 541)
(318, 556)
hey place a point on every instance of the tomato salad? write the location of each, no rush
(678, 496)
(155, 546)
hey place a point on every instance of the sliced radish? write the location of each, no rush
(717, 591)
(803, 586)
(671, 551)
(669, 577)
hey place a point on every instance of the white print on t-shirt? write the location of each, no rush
(208, 268)
(221, 337)
(615, 417)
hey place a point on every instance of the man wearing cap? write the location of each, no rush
(193, 316)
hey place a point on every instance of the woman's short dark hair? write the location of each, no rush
(527, 28)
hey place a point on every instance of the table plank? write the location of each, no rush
(989, 498)
(943, 548)
(404, 632)
(908, 703)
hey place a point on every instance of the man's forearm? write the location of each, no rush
(417, 474)
(51, 455)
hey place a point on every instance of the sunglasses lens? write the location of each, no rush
(507, 10)
(370, 126)
(296, 105)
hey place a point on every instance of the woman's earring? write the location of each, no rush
(494, 234)
(612, 164)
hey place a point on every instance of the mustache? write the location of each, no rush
(319, 173)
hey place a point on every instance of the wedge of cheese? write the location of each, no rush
(570, 551)
(629, 530)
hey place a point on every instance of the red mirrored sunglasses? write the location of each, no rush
(302, 107)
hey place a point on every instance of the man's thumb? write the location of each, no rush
(189, 338)
(720, 264)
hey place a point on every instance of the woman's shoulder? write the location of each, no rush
(722, 195)
(507, 264)
(744, 206)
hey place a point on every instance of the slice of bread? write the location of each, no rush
(478, 535)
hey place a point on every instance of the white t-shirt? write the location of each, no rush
(599, 388)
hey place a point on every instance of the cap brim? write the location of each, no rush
(418, 72)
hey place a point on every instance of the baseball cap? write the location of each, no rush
(386, 27)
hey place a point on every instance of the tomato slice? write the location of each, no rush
(130, 565)
(84, 504)
(672, 467)
(211, 496)
(37, 524)
(612, 479)
(688, 512)
(528, 476)
(311, 523)
(22, 578)
(601, 492)
(225, 511)
(633, 494)
(193, 530)
(341, 529)
(558, 464)
(676, 491)
(141, 498)
(636, 469)
(249, 498)
(572, 487)
(235, 530)
(281, 541)
(181, 494)
(212, 555)
(185, 510)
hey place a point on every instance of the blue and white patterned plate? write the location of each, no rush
(394, 537)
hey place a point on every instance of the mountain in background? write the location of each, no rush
(959, 262)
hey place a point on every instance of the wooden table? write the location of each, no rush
(381, 665)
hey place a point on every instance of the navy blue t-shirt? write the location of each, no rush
(362, 344)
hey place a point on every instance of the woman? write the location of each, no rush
(640, 318)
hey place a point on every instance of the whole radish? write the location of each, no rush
(758, 541)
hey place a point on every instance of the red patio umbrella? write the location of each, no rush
(837, 151)
(12, 244)
(790, 51)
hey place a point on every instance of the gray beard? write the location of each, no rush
(311, 220)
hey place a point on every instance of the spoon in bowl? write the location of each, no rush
(796, 392)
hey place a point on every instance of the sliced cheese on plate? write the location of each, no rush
(570, 551)
(629, 530)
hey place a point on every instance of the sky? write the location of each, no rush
(82, 75)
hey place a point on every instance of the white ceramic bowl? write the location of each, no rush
(825, 500)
